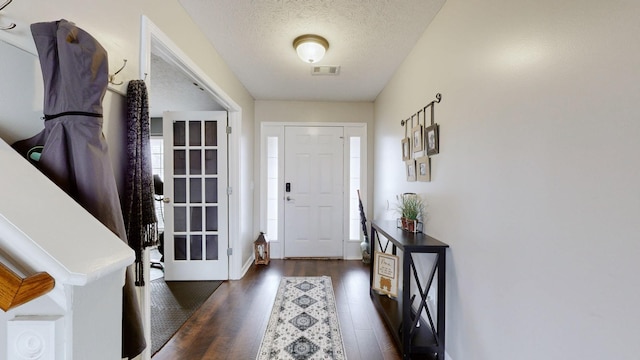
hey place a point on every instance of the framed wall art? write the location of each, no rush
(406, 149)
(431, 133)
(417, 138)
(423, 168)
(411, 170)
(421, 141)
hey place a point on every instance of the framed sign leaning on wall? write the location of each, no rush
(385, 273)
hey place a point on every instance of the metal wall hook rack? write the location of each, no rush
(112, 78)
(404, 122)
(12, 25)
(420, 141)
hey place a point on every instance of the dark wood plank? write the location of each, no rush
(231, 323)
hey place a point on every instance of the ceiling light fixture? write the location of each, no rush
(310, 48)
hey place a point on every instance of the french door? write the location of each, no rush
(313, 194)
(196, 201)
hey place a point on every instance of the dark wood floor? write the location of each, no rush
(232, 321)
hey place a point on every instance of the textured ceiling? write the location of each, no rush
(369, 39)
(172, 90)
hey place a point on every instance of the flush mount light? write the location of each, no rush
(310, 48)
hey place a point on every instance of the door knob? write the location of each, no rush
(289, 198)
(166, 200)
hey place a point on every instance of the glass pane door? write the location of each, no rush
(196, 226)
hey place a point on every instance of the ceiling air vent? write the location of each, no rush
(325, 70)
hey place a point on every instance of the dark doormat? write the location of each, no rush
(172, 303)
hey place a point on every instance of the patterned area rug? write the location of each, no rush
(304, 322)
(172, 303)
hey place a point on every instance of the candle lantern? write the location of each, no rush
(261, 249)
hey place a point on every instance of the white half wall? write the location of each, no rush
(536, 186)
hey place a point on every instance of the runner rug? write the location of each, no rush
(304, 322)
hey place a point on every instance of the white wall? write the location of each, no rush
(171, 18)
(21, 114)
(536, 187)
(313, 111)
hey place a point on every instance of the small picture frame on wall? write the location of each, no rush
(411, 170)
(406, 149)
(423, 168)
(417, 138)
(432, 135)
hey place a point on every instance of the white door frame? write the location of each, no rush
(276, 129)
(152, 39)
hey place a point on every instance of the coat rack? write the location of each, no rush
(12, 25)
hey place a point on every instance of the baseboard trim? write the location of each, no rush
(245, 267)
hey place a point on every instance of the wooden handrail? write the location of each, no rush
(15, 290)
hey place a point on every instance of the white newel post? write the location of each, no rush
(35, 337)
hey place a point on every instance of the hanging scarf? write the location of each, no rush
(138, 206)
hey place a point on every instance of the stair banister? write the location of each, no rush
(16, 290)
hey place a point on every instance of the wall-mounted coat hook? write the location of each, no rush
(112, 78)
(12, 25)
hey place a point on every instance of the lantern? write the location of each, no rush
(261, 249)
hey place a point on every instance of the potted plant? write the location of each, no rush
(411, 210)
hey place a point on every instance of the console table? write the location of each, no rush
(417, 337)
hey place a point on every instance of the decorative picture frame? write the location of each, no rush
(411, 170)
(432, 135)
(385, 273)
(406, 149)
(417, 138)
(423, 168)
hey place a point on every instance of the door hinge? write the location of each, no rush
(229, 190)
(229, 251)
(228, 129)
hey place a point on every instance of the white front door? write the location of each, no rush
(313, 173)
(196, 201)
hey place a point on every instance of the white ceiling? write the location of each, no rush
(369, 39)
(172, 90)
